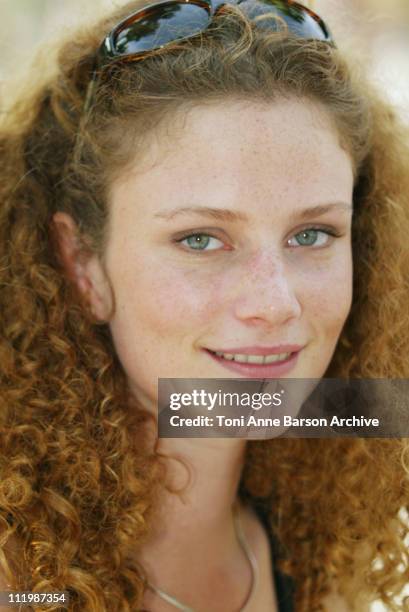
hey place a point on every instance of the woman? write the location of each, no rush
(166, 214)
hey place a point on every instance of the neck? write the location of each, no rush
(206, 472)
(216, 465)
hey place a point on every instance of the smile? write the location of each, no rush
(271, 365)
(258, 359)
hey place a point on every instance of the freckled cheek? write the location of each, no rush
(328, 294)
(171, 300)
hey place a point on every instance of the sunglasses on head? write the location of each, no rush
(156, 25)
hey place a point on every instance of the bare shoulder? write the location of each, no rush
(334, 602)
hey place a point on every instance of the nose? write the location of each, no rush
(267, 293)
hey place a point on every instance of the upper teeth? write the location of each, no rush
(254, 358)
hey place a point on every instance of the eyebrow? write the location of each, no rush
(226, 214)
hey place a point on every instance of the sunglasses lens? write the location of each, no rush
(160, 26)
(300, 21)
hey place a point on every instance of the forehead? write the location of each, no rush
(242, 153)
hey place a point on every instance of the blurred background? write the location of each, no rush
(377, 31)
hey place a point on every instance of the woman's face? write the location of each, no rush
(233, 235)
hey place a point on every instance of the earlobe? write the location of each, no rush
(82, 267)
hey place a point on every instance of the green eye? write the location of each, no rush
(307, 238)
(311, 237)
(200, 242)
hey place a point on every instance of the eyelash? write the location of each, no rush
(329, 232)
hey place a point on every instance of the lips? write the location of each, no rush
(260, 350)
(258, 359)
(256, 370)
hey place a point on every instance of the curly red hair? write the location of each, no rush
(78, 483)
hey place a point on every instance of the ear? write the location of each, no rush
(82, 267)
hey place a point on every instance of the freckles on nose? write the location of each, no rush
(264, 267)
